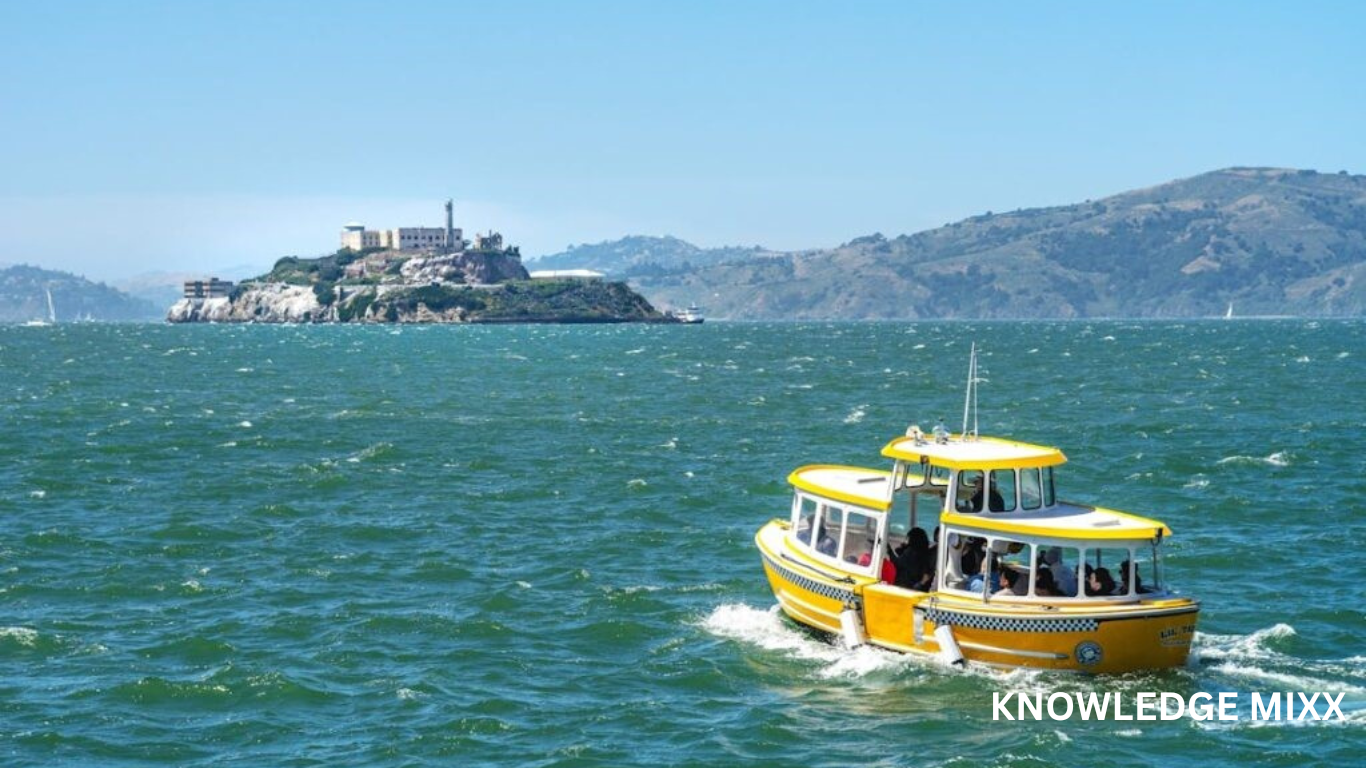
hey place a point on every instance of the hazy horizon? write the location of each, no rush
(159, 137)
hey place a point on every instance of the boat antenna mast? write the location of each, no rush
(970, 396)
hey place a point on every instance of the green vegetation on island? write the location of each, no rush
(377, 285)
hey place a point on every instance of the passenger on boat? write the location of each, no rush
(804, 532)
(1044, 585)
(826, 544)
(913, 566)
(974, 502)
(1064, 577)
(1127, 569)
(972, 555)
(1099, 583)
(1013, 584)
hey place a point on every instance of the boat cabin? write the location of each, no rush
(1003, 534)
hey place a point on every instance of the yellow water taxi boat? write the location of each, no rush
(1013, 577)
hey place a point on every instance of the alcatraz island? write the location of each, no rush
(414, 275)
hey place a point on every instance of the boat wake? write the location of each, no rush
(769, 630)
(1254, 659)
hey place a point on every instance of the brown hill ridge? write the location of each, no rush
(1268, 241)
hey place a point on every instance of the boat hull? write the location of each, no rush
(1102, 638)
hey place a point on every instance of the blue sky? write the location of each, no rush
(195, 136)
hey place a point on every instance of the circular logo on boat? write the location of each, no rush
(1088, 653)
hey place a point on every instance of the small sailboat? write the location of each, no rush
(51, 314)
(1228, 315)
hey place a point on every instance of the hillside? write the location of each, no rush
(1267, 241)
(24, 291)
(639, 255)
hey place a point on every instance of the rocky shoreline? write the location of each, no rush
(510, 302)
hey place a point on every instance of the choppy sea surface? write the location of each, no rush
(532, 545)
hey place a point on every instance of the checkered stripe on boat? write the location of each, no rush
(1008, 624)
(811, 585)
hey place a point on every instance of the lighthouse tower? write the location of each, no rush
(450, 227)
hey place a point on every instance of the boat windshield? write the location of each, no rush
(1004, 490)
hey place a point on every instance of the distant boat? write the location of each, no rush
(1229, 314)
(691, 316)
(51, 315)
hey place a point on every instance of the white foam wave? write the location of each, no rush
(1244, 647)
(856, 415)
(1289, 681)
(766, 629)
(1277, 459)
(1249, 657)
(21, 635)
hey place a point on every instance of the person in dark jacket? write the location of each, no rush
(913, 565)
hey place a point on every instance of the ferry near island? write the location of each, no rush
(1012, 576)
(690, 316)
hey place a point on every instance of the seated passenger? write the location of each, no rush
(1013, 584)
(974, 550)
(826, 544)
(1044, 585)
(1099, 583)
(804, 532)
(888, 571)
(913, 565)
(1063, 576)
(1126, 570)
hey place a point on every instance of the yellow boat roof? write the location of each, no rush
(854, 485)
(1063, 521)
(973, 453)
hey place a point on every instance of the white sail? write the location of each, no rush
(51, 311)
(1229, 313)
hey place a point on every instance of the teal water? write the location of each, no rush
(297, 546)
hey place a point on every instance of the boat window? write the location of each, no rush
(1144, 568)
(1001, 496)
(1102, 576)
(969, 493)
(1011, 571)
(1061, 563)
(939, 476)
(805, 518)
(1031, 495)
(831, 530)
(860, 532)
(964, 559)
(1049, 497)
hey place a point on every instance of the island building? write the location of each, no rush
(587, 275)
(427, 239)
(213, 288)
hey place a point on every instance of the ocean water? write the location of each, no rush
(532, 545)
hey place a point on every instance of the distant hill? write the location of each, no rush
(24, 291)
(1268, 241)
(639, 255)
